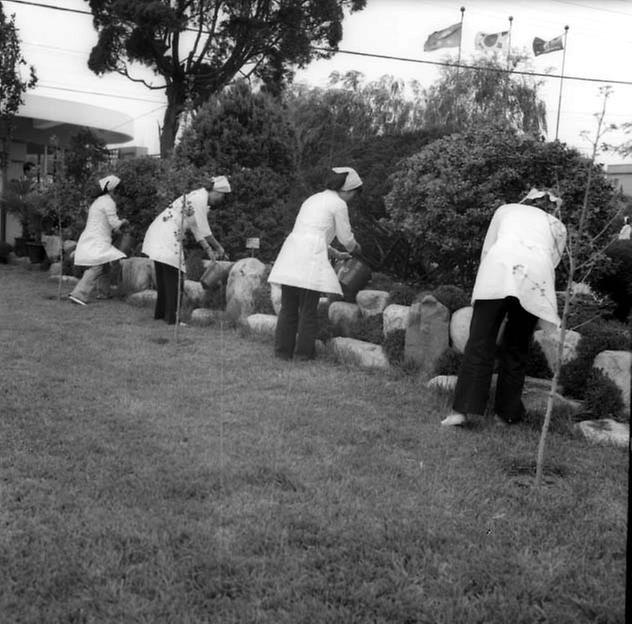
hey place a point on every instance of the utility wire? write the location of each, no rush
(385, 56)
(112, 95)
(464, 66)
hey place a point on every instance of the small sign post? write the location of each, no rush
(252, 244)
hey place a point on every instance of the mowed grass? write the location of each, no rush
(148, 481)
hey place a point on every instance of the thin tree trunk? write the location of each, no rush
(176, 100)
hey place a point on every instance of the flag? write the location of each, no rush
(495, 41)
(449, 37)
(544, 47)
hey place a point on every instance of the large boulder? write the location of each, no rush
(427, 334)
(342, 315)
(394, 317)
(460, 327)
(137, 274)
(549, 340)
(244, 279)
(359, 353)
(616, 365)
(203, 317)
(372, 302)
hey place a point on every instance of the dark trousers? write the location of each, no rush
(167, 287)
(472, 388)
(297, 325)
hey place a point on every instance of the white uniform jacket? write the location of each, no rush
(522, 247)
(163, 237)
(303, 260)
(94, 246)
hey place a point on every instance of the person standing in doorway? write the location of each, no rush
(302, 267)
(94, 247)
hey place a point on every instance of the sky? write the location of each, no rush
(599, 46)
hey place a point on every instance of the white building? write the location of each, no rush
(42, 120)
(621, 175)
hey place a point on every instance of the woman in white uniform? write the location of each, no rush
(94, 247)
(302, 267)
(516, 280)
(163, 241)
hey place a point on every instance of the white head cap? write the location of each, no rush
(109, 183)
(534, 193)
(220, 184)
(353, 180)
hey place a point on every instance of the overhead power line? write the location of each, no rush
(385, 56)
(464, 66)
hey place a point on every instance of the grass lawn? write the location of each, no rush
(147, 481)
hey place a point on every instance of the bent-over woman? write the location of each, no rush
(516, 281)
(163, 241)
(302, 267)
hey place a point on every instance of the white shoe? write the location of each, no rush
(454, 420)
(77, 300)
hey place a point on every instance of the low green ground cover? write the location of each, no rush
(147, 481)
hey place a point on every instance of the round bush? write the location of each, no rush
(448, 363)
(602, 397)
(452, 297)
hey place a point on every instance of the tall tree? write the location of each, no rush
(198, 46)
(463, 97)
(12, 88)
(12, 84)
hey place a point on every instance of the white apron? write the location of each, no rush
(162, 239)
(303, 260)
(522, 247)
(94, 246)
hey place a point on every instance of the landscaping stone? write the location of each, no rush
(442, 382)
(143, 299)
(606, 431)
(55, 269)
(244, 278)
(359, 353)
(262, 324)
(137, 274)
(66, 279)
(275, 297)
(69, 246)
(427, 334)
(617, 365)
(194, 292)
(203, 317)
(52, 244)
(23, 261)
(549, 341)
(323, 306)
(394, 317)
(342, 315)
(372, 302)
(460, 327)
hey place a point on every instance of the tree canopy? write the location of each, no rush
(198, 46)
(12, 84)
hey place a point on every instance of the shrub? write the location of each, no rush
(402, 294)
(585, 309)
(194, 264)
(537, 364)
(262, 296)
(448, 363)
(596, 337)
(452, 297)
(369, 329)
(602, 397)
(393, 345)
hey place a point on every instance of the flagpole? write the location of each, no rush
(559, 103)
(458, 62)
(509, 42)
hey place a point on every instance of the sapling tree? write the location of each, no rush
(581, 253)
